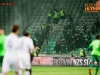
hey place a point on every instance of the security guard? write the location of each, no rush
(43, 30)
(35, 53)
(62, 14)
(49, 16)
(82, 53)
(72, 53)
(55, 16)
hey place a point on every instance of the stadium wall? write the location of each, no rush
(61, 61)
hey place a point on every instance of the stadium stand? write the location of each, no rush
(29, 14)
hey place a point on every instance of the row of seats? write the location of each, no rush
(33, 12)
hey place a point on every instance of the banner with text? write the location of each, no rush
(62, 61)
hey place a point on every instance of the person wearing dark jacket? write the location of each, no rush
(84, 28)
(72, 43)
(97, 24)
(57, 47)
(39, 37)
(63, 46)
(43, 29)
(89, 38)
(93, 29)
(35, 53)
(70, 18)
(76, 41)
(48, 27)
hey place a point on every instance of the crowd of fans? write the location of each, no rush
(43, 35)
(72, 38)
(60, 46)
(53, 16)
(75, 39)
(95, 27)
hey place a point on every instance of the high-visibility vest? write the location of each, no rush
(81, 52)
(55, 15)
(49, 14)
(62, 12)
(42, 26)
(72, 54)
(35, 55)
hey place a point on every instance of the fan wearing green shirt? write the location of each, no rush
(2, 50)
(95, 54)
